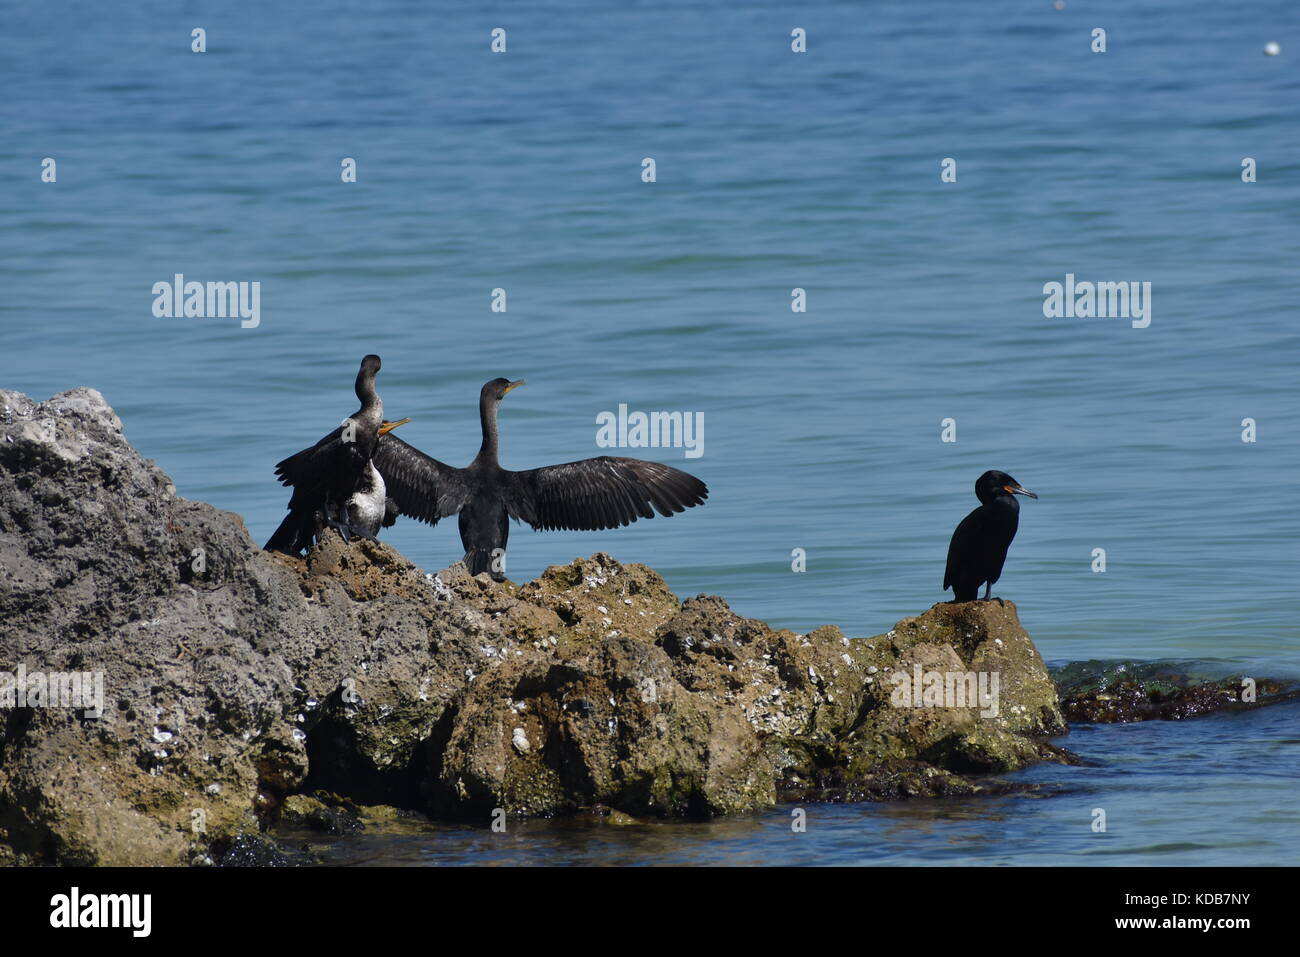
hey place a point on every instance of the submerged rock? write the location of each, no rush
(1121, 692)
(236, 682)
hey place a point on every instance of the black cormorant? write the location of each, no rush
(335, 480)
(979, 545)
(604, 492)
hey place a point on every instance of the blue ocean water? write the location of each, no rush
(775, 171)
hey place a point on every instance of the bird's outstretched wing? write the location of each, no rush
(419, 485)
(313, 474)
(310, 471)
(604, 492)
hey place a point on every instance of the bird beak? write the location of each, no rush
(389, 426)
(513, 385)
(1018, 490)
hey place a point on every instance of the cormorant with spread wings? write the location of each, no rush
(591, 494)
(334, 482)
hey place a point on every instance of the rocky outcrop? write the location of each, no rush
(236, 682)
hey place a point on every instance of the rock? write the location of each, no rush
(321, 812)
(980, 638)
(1111, 693)
(257, 850)
(212, 677)
(243, 688)
(611, 726)
(602, 815)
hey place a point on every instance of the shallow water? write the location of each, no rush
(822, 430)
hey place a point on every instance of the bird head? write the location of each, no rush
(993, 484)
(496, 390)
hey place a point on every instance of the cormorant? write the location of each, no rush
(591, 494)
(979, 545)
(335, 480)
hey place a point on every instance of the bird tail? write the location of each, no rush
(294, 535)
(480, 560)
(962, 590)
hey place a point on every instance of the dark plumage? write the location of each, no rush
(334, 482)
(979, 545)
(604, 492)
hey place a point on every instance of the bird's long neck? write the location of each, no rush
(487, 413)
(371, 412)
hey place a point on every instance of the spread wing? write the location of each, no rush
(311, 471)
(419, 485)
(604, 492)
